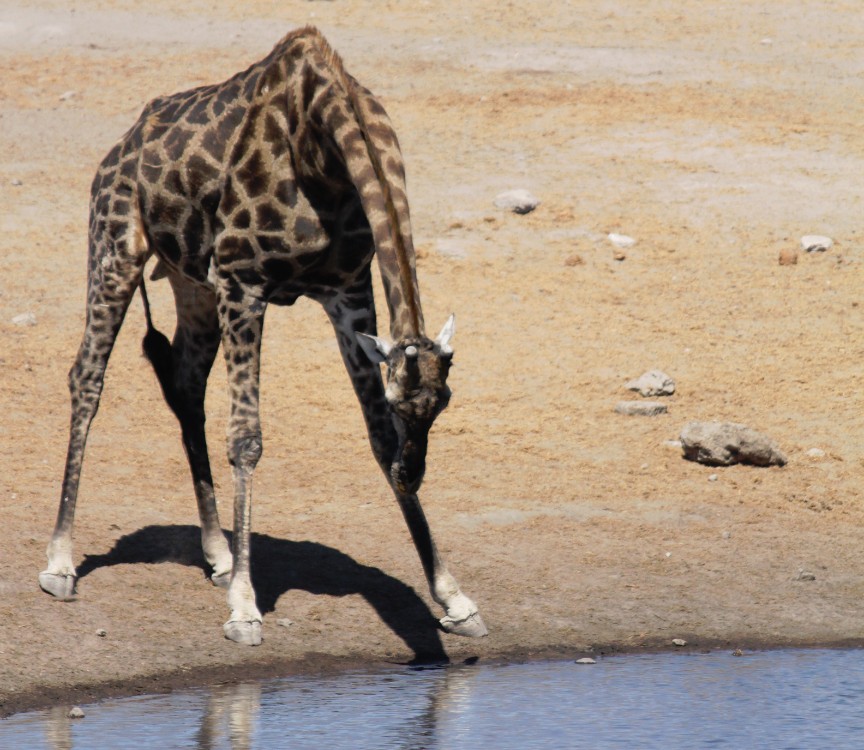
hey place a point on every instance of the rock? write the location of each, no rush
(641, 408)
(67, 95)
(653, 383)
(816, 243)
(737, 652)
(727, 443)
(24, 319)
(804, 576)
(726, 535)
(816, 453)
(75, 713)
(679, 642)
(620, 240)
(284, 622)
(788, 256)
(586, 660)
(17, 183)
(517, 201)
(676, 444)
(574, 260)
(712, 477)
(102, 632)
(619, 255)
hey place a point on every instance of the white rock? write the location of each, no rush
(75, 713)
(284, 622)
(24, 319)
(676, 444)
(816, 453)
(586, 660)
(679, 642)
(816, 243)
(712, 477)
(620, 240)
(17, 183)
(652, 383)
(101, 632)
(67, 95)
(641, 408)
(517, 201)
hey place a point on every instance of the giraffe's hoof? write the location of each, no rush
(221, 580)
(244, 632)
(471, 627)
(59, 585)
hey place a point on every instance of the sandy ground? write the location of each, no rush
(715, 134)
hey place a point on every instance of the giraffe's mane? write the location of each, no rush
(334, 62)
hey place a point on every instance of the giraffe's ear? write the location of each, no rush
(374, 348)
(446, 334)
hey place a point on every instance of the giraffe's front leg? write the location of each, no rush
(242, 327)
(462, 617)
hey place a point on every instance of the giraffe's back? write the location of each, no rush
(246, 177)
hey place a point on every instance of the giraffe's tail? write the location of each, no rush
(157, 349)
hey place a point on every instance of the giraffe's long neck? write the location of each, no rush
(363, 134)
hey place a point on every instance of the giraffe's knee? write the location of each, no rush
(244, 451)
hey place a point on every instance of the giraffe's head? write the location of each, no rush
(417, 392)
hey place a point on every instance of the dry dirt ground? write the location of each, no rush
(714, 133)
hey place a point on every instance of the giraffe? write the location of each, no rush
(282, 181)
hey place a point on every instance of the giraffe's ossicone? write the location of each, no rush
(285, 180)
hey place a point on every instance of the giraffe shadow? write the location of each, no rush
(278, 566)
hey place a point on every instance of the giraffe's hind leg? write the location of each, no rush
(115, 267)
(354, 312)
(183, 367)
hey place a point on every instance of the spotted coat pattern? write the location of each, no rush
(285, 180)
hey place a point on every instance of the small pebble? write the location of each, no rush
(66, 96)
(804, 576)
(788, 257)
(517, 201)
(679, 642)
(586, 660)
(618, 255)
(620, 240)
(712, 477)
(574, 260)
(737, 652)
(816, 453)
(24, 319)
(285, 622)
(641, 408)
(727, 535)
(75, 713)
(101, 632)
(816, 243)
(17, 183)
(676, 444)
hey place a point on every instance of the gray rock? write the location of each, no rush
(75, 713)
(679, 642)
(586, 660)
(641, 408)
(727, 443)
(653, 383)
(517, 201)
(804, 575)
(284, 622)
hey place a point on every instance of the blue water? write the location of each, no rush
(766, 700)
